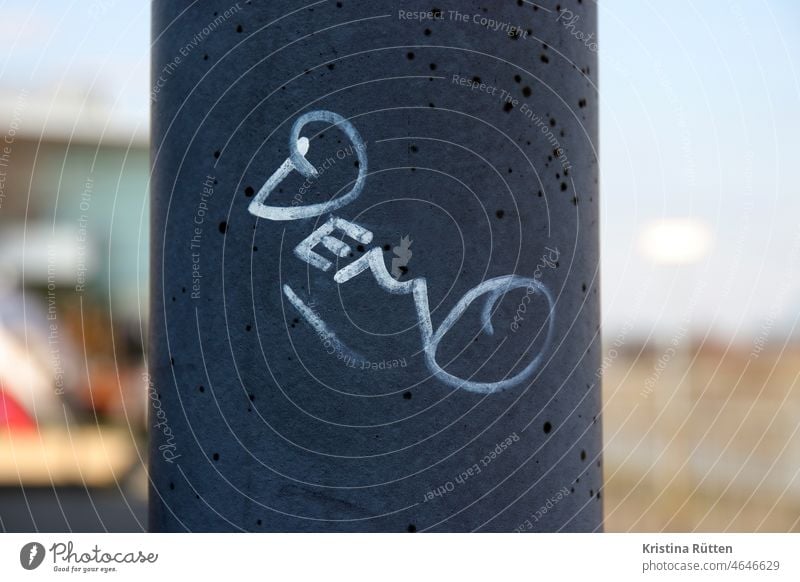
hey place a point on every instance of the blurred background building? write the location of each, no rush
(701, 264)
(73, 297)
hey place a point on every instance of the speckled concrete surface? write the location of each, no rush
(479, 129)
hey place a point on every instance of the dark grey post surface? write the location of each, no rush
(374, 267)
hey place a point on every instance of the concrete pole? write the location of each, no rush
(375, 267)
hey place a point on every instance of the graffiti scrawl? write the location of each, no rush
(332, 234)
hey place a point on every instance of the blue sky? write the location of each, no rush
(700, 117)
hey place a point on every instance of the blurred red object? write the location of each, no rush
(12, 414)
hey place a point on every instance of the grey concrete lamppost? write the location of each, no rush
(374, 301)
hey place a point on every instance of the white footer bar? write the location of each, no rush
(401, 557)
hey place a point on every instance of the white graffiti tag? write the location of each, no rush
(491, 290)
